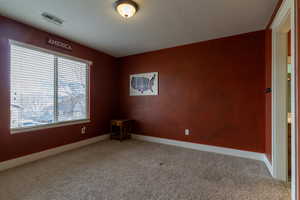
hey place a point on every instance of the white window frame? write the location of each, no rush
(56, 124)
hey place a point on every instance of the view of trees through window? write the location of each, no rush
(46, 88)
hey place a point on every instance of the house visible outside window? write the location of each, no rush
(46, 88)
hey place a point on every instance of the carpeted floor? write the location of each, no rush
(135, 170)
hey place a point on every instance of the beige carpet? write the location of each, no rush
(134, 170)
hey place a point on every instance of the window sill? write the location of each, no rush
(48, 126)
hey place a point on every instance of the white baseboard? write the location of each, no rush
(201, 147)
(43, 154)
(208, 148)
(268, 164)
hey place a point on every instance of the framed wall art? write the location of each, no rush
(143, 84)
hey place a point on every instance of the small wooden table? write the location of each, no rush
(120, 129)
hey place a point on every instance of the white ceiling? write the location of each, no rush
(158, 23)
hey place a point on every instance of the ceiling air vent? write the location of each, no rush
(53, 19)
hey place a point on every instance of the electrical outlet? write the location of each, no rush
(187, 132)
(83, 130)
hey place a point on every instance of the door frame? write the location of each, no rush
(283, 22)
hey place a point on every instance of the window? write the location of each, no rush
(46, 88)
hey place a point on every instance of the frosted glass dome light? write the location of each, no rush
(126, 8)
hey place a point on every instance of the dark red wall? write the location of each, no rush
(214, 88)
(289, 43)
(268, 57)
(103, 97)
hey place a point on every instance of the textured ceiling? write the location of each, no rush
(158, 24)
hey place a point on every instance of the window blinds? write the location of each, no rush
(72, 90)
(46, 88)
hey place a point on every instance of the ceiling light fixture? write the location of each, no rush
(126, 8)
